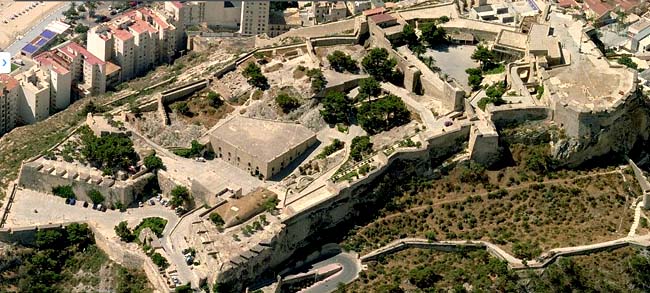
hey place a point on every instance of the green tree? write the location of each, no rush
(217, 219)
(122, 230)
(79, 234)
(383, 114)
(336, 108)
(639, 270)
(359, 147)
(341, 62)
(484, 56)
(109, 152)
(379, 64)
(369, 87)
(159, 260)
(286, 102)
(317, 79)
(432, 34)
(215, 99)
(95, 196)
(255, 77)
(409, 36)
(80, 28)
(627, 61)
(180, 196)
(153, 162)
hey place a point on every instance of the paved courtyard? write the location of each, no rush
(453, 60)
(35, 208)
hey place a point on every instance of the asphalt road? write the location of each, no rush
(36, 30)
(351, 268)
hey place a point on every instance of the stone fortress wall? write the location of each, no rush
(36, 176)
(304, 227)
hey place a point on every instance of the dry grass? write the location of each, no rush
(552, 213)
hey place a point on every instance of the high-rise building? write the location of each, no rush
(136, 41)
(33, 95)
(9, 88)
(254, 18)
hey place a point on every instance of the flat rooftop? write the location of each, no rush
(588, 82)
(263, 139)
(512, 39)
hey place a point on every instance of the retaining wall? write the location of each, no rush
(35, 178)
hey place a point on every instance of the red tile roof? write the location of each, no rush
(141, 26)
(627, 5)
(9, 82)
(52, 61)
(75, 48)
(598, 7)
(374, 11)
(567, 3)
(381, 18)
(122, 34)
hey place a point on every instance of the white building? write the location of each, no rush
(33, 95)
(254, 18)
(9, 89)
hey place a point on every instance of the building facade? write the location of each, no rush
(8, 102)
(254, 18)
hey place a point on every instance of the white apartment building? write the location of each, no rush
(33, 95)
(254, 18)
(136, 41)
(212, 13)
(9, 89)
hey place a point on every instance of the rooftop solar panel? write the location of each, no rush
(48, 34)
(30, 48)
(41, 42)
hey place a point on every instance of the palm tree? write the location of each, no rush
(418, 49)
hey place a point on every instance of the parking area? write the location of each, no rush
(35, 208)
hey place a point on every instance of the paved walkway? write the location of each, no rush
(543, 261)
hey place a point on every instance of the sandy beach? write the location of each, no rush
(8, 8)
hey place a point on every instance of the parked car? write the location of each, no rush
(448, 123)
(67, 200)
(103, 209)
(140, 204)
(73, 201)
(152, 202)
(85, 204)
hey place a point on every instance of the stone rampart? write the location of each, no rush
(182, 91)
(305, 226)
(36, 177)
(512, 114)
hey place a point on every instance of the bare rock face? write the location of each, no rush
(615, 135)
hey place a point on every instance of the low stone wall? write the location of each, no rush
(176, 93)
(510, 114)
(35, 178)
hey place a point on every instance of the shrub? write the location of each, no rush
(156, 224)
(379, 64)
(95, 196)
(423, 277)
(182, 108)
(341, 62)
(255, 77)
(270, 204)
(287, 103)
(122, 230)
(153, 162)
(317, 79)
(109, 152)
(180, 196)
(330, 149)
(383, 114)
(360, 146)
(627, 61)
(336, 108)
(216, 219)
(215, 99)
(159, 260)
(526, 250)
(64, 191)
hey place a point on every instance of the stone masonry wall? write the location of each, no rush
(125, 192)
